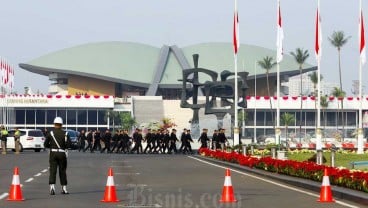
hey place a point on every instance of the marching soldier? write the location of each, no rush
(116, 141)
(173, 140)
(106, 139)
(203, 138)
(149, 140)
(58, 141)
(90, 141)
(137, 137)
(82, 140)
(222, 139)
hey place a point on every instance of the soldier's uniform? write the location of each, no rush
(58, 157)
(203, 138)
(3, 137)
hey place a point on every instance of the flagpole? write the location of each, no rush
(318, 53)
(255, 102)
(279, 56)
(362, 53)
(236, 47)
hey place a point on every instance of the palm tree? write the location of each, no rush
(300, 55)
(338, 40)
(268, 63)
(113, 116)
(127, 120)
(324, 104)
(337, 92)
(287, 119)
(314, 78)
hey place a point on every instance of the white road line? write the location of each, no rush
(2, 196)
(127, 173)
(28, 180)
(272, 182)
(121, 166)
(44, 170)
(38, 174)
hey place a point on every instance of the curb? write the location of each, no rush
(338, 192)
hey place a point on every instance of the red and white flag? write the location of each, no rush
(280, 35)
(362, 39)
(318, 42)
(236, 42)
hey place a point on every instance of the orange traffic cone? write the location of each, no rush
(110, 191)
(326, 194)
(227, 191)
(15, 192)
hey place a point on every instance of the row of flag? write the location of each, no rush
(6, 76)
(318, 34)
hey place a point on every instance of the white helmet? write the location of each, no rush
(58, 120)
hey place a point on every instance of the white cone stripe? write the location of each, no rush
(15, 180)
(227, 181)
(110, 181)
(326, 181)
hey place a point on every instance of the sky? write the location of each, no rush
(30, 29)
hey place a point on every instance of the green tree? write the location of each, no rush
(113, 117)
(268, 63)
(300, 55)
(127, 121)
(324, 104)
(287, 119)
(338, 93)
(338, 40)
(314, 79)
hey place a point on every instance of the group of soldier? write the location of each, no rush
(158, 141)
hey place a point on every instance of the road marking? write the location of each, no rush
(135, 185)
(38, 174)
(272, 182)
(139, 205)
(44, 170)
(2, 196)
(28, 180)
(121, 166)
(127, 173)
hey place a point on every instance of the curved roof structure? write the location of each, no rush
(148, 66)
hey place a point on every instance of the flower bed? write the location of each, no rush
(353, 179)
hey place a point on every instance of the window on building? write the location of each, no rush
(82, 117)
(20, 116)
(71, 117)
(51, 114)
(92, 117)
(30, 117)
(40, 116)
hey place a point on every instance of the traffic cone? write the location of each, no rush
(15, 192)
(326, 194)
(227, 191)
(110, 191)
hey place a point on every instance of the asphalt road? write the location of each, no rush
(172, 181)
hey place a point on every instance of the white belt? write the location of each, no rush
(57, 150)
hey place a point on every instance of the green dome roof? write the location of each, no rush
(138, 64)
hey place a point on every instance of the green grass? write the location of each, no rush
(341, 158)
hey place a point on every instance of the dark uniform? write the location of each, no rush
(90, 141)
(107, 140)
(137, 138)
(173, 140)
(57, 157)
(204, 139)
(149, 140)
(82, 140)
